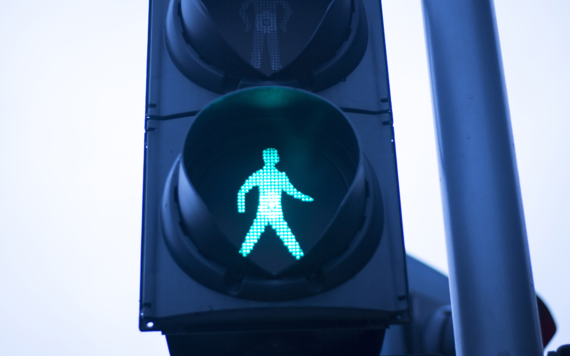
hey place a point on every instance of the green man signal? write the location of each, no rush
(270, 182)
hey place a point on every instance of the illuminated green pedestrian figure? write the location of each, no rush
(270, 182)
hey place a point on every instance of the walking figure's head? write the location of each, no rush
(270, 156)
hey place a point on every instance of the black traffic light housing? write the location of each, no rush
(339, 232)
(193, 281)
(325, 41)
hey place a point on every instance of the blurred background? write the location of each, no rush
(72, 96)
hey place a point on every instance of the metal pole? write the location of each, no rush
(492, 293)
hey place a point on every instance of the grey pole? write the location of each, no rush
(492, 293)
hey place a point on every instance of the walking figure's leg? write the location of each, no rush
(286, 235)
(253, 235)
(258, 39)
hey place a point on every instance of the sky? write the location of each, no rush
(72, 96)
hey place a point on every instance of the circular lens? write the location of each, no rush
(272, 187)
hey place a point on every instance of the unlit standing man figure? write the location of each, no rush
(265, 25)
(270, 182)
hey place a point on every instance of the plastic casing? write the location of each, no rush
(170, 300)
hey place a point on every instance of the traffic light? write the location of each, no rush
(430, 331)
(271, 217)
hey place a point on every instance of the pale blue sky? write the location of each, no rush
(72, 91)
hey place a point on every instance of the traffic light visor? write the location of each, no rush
(272, 186)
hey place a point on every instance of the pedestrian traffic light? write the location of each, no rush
(282, 142)
(271, 218)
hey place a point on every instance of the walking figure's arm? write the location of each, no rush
(292, 191)
(286, 15)
(243, 15)
(245, 188)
